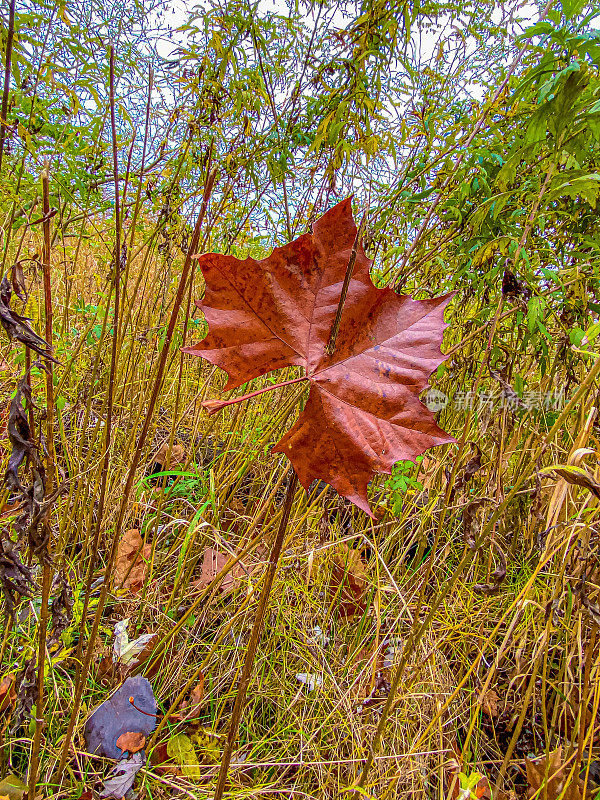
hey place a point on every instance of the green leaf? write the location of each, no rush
(487, 250)
(535, 311)
(572, 8)
(576, 335)
(576, 476)
(12, 787)
(590, 334)
(181, 749)
(557, 113)
(585, 186)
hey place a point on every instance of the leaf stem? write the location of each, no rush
(348, 276)
(214, 406)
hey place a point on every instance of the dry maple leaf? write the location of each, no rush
(490, 704)
(349, 581)
(131, 564)
(551, 776)
(212, 563)
(8, 694)
(363, 411)
(131, 741)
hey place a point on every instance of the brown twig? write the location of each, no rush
(48, 489)
(162, 360)
(81, 673)
(240, 698)
(6, 87)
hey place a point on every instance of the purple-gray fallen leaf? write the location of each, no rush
(120, 779)
(117, 715)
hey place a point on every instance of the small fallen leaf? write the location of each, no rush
(13, 787)
(120, 780)
(106, 670)
(550, 776)
(181, 749)
(125, 651)
(349, 581)
(310, 680)
(177, 457)
(7, 692)
(118, 715)
(131, 742)
(191, 707)
(213, 562)
(482, 789)
(489, 704)
(576, 476)
(131, 565)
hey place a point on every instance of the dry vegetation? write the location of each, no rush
(486, 679)
(448, 647)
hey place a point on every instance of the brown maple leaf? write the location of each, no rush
(363, 411)
(549, 774)
(131, 564)
(191, 707)
(349, 582)
(213, 562)
(8, 695)
(131, 742)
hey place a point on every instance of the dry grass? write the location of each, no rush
(533, 643)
